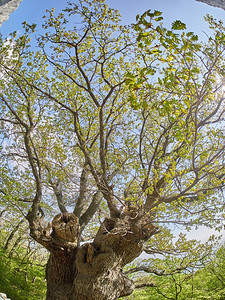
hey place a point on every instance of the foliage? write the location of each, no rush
(205, 283)
(21, 279)
(165, 151)
(22, 262)
(111, 120)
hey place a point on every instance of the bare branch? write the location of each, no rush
(143, 285)
(80, 202)
(91, 210)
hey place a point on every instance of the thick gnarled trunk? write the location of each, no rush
(60, 271)
(70, 278)
(93, 270)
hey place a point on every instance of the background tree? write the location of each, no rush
(20, 277)
(113, 126)
(22, 263)
(204, 281)
(171, 273)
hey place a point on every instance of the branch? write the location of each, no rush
(143, 285)
(102, 145)
(57, 188)
(4, 193)
(9, 121)
(203, 122)
(6, 247)
(83, 187)
(59, 196)
(38, 89)
(100, 182)
(26, 200)
(38, 196)
(153, 271)
(86, 79)
(14, 112)
(91, 210)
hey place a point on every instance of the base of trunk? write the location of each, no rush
(94, 270)
(60, 273)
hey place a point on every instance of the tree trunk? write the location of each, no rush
(94, 270)
(60, 272)
(70, 276)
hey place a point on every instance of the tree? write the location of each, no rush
(205, 281)
(171, 276)
(21, 278)
(114, 126)
(212, 276)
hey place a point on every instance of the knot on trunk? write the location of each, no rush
(66, 228)
(124, 236)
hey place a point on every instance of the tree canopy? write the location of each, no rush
(110, 121)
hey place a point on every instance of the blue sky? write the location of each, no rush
(190, 12)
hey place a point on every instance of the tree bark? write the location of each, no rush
(60, 272)
(93, 270)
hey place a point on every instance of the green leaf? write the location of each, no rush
(178, 25)
(157, 13)
(159, 19)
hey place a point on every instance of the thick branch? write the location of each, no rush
(38, 196)
(83, 187)
(59, 196)
(65, 232)
(91, 210)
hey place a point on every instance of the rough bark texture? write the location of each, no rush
(215, 3)
(60, 272)
(94, 270)
(6, 8)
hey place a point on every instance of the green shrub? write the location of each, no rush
(21, 280)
